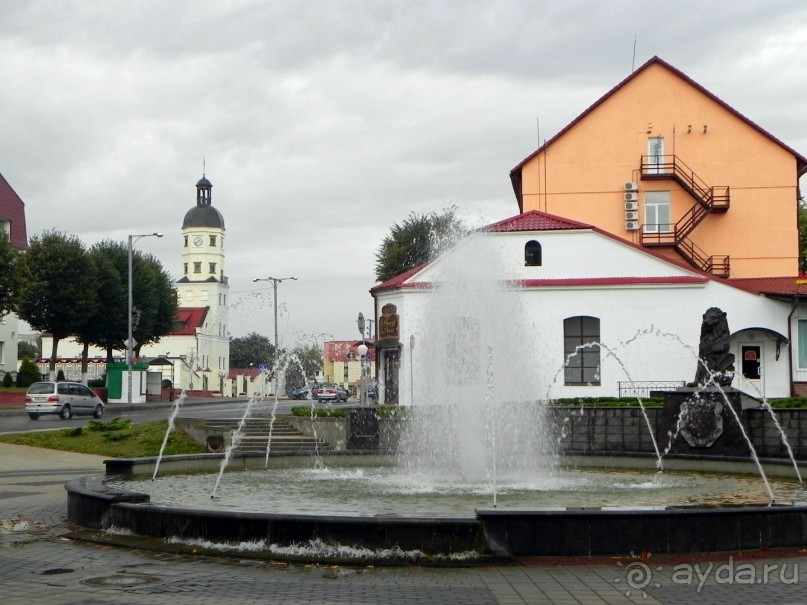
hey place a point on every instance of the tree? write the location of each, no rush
(154, 300)
(60, 290)
(251, 351)
(419, 239)
(303, 364)
(28, 373)
(12, 275)
(26, 349)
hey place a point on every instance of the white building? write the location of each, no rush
(575, 284)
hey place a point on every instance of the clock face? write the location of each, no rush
(198, 241)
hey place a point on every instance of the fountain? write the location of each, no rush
(478, 469)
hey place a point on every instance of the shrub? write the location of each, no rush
(73, 432)
(60, 376)
(8, 381)
(28, 373)
(116, 424)
(319, 412)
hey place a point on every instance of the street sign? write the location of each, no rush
(360, 321)
(263, 368)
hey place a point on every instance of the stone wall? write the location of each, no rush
(620, 429)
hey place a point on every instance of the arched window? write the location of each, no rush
(581, 351)
(532, 254)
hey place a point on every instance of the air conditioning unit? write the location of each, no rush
(631, 225)
(631, 216)
(631, 206)
(631, 186)
(631, 197)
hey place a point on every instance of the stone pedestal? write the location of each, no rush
(362, 428)
(708, 425)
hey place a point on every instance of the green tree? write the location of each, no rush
(26, 349)
(60, 291)
(303, 363)
(417, 240)
(12, 275)
(251, 351)
(154, 300)
(28, 373)
(8, 381)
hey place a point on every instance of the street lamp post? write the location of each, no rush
(130, 340)
(275, 281)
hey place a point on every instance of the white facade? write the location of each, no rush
(649, 311)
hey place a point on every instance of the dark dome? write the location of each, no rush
(203, 182)
(203, 216)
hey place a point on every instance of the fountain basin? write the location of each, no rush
(473, 534)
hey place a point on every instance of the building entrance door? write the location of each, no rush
(391, 365)
(751, 380)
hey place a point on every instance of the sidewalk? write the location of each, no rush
(38, 564)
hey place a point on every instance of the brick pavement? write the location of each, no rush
(38, 564)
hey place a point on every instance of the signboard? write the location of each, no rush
(360, 322)
(263, 368)
(388, 323)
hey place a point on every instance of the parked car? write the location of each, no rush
(372, 393)
(331, 392)
(62, 398)
(309, 392)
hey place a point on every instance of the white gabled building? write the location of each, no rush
(577, 284)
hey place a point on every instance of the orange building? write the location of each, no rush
(662, 162)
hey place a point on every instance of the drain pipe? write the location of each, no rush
(799, 282)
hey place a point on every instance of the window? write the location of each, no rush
(532, 254)
(802, 344)
(657, 212)
(185, 265)
(203, 296)
(580, 352)
(212, 268)
(197, 267)
(212, 240)
(186, 241)
(189, 295)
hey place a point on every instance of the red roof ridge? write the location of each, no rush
(534, 220)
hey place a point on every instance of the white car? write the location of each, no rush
(62, 398)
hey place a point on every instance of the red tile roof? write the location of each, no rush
(398, 280)
(534, 221)
(236, 372)
(188, 319)
(515, 173)
(346, 350)
(12, 209)
(772, 286)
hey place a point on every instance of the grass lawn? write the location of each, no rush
(118, 438)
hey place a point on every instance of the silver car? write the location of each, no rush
(62, 398)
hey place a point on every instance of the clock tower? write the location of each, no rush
(203, 287)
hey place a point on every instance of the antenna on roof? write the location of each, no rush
(633, 62)
(204, 165)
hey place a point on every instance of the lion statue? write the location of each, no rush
(715, 361)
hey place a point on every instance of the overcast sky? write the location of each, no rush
(325, 122)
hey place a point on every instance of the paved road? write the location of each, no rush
(39, 564)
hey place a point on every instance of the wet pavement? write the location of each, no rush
(42, 562)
